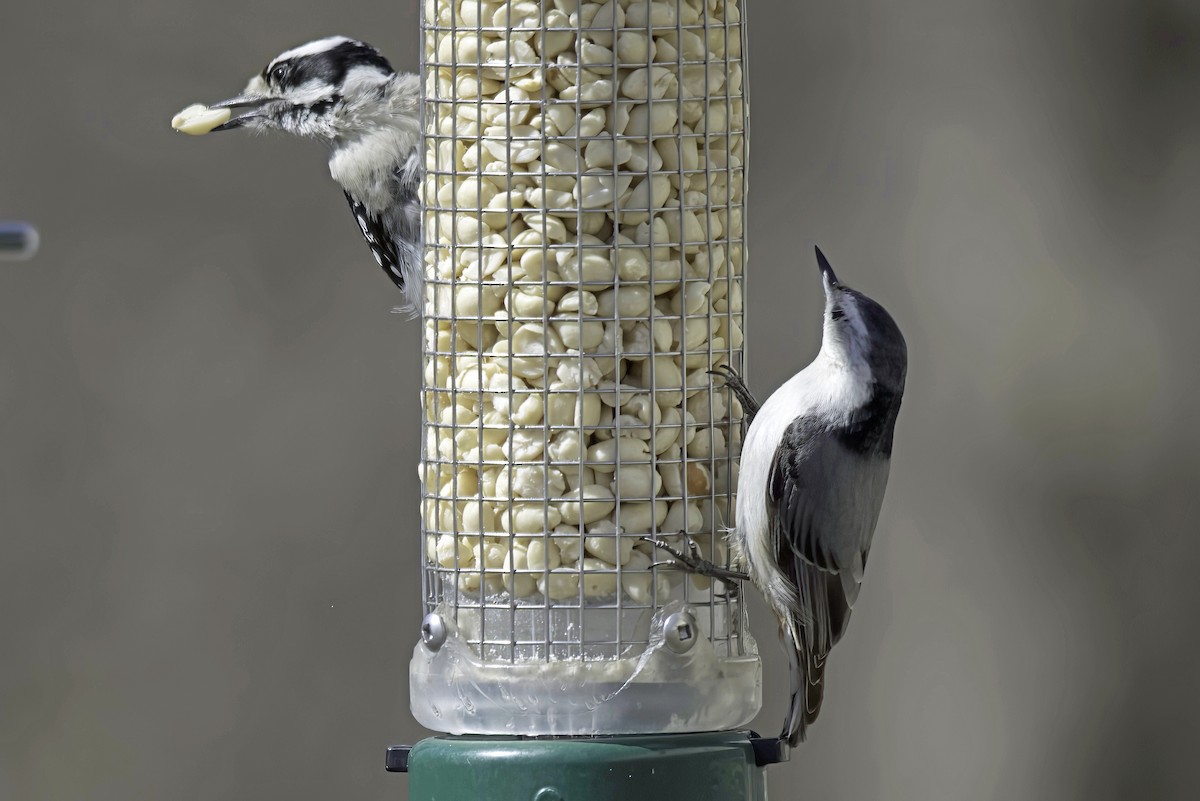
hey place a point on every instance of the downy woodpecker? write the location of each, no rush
(814, 468)
(343, 93)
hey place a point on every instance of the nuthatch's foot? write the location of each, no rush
(733, 380)
(694, 562)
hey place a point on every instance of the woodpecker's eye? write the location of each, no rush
(279, 73)
(837, 313)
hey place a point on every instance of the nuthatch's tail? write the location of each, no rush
(808, 687)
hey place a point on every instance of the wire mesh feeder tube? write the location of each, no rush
(584, 204)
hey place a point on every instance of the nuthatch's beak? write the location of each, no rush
(829, 278)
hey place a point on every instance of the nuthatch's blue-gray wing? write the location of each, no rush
(824, 494)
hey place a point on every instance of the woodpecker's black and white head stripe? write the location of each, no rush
(323, 63)
(344, 93)
(313, 90)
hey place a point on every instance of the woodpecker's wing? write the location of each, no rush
(375, 231)
(395, 236)
(406, 219)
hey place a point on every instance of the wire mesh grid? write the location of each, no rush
(584, 196)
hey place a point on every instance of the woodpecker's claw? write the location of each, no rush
(694, 562)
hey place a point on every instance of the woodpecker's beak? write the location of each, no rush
(827, 275)
(244, 108)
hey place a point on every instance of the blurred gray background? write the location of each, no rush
(208, 418)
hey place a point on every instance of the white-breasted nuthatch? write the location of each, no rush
(814, 467)
(343, 93)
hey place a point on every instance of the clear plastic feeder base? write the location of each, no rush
(676, 684)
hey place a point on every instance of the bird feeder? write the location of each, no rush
(584, 205)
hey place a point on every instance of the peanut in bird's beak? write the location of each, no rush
(199, 119)
(226, 115)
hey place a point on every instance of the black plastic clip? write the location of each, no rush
(397, 759)
(769, 750)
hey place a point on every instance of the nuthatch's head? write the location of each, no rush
(320, 90)
(858, 331)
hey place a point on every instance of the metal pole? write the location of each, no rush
(18, 240)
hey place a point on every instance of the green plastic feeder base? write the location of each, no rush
(713, 765)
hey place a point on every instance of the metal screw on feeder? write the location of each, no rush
(584, 197)
(679, 631)
(433, 631)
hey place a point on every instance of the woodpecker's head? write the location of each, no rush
(325, 90)
(859, 332)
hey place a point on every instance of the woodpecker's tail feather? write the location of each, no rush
(808, 688)
(409, 278)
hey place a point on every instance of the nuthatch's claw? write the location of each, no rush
(694, 562)
(733, 380)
